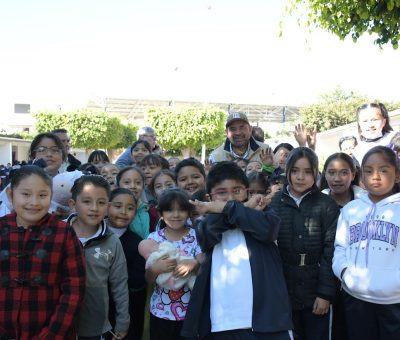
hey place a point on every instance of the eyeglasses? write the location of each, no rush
(44, 151)
(224, 194)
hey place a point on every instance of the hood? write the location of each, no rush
(395, 198)
(105, 232)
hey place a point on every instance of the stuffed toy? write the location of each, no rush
(168, 280)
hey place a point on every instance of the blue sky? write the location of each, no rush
(66, 52)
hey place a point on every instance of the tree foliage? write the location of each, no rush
(88, 129)
(180, 128)
(353, 18)
(332, 110)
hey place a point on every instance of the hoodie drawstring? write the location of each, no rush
(370, 229)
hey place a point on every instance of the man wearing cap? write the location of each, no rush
(239, 142)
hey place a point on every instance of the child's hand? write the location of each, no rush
(312, 138)
(321, 306)
(258, 202)
(266, 156)
(208, 207)
(207, 165)
(117, 335)
(163, 265)
(185, 267)
(300, 134)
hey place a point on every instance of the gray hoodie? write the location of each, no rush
(106, 272)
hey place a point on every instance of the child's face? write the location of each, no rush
(371, 122)
(161, 183)
(31, 200)
(91, 205)
(172, 163)
(48, 150)
(99, 163)
(256, 188)
(121, 211)
(139, 152)
(253, 166)
(301, 177)
(110, 172)
(379, 177)
(338, 176)
(280, 156)
(149, 171)
(348, 146)
(176, 217)
(242, 164)
(190, 179)
(132, 180)
(227, 190)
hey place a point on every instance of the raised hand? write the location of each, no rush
(300, 134)
(267, 156)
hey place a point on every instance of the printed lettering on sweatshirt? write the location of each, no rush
(374, 230)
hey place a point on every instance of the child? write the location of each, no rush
(105, 260)
(121, 211)
(132, 178)
(167, 307)
(110, 172)
(253, 166)
(190, 175)
(164, 179)
(281, 152)
(240, 290)
(151, 164)
(258, 184)
(373, 128)
(242, 163)
(339, 179)
(139, 150)
(42, 271)
(98, 158)
(367, 255)
(173, 162)
(305, 241)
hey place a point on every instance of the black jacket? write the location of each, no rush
(271, 308)
(74, 163)
(308, 229)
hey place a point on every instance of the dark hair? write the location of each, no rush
(36, 141)
(144, 142)
(129, 168)
(18, 175)
(295, 155)
(389, 155)
(98, 155)
(346, 138)
(237, 160)
(59, 131)
(199, 195)
(287, 146)
(190, 162)
(260, 178)
(154, 159)
(384, 113)
(163, 172)
(344, 157)
(88, 169)
(174, 196)
(225, 170)
(258, 134)
(95, 180)
(122, 191)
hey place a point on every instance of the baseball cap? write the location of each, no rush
(236, 116)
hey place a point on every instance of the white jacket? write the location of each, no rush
(367, 244)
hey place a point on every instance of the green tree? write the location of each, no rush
(88, 129)
(129, 134)
(352, 18)
(186, 128)
(332, 109)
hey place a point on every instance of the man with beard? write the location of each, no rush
(239, 142)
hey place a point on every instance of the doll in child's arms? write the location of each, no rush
(167, 280)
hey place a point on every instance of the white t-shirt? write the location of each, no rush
(231, 284)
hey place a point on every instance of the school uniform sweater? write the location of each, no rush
(106, 269)
(271, 310)
(367, 244)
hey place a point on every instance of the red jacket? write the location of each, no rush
(42, 279)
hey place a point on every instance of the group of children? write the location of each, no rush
(277, 251)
